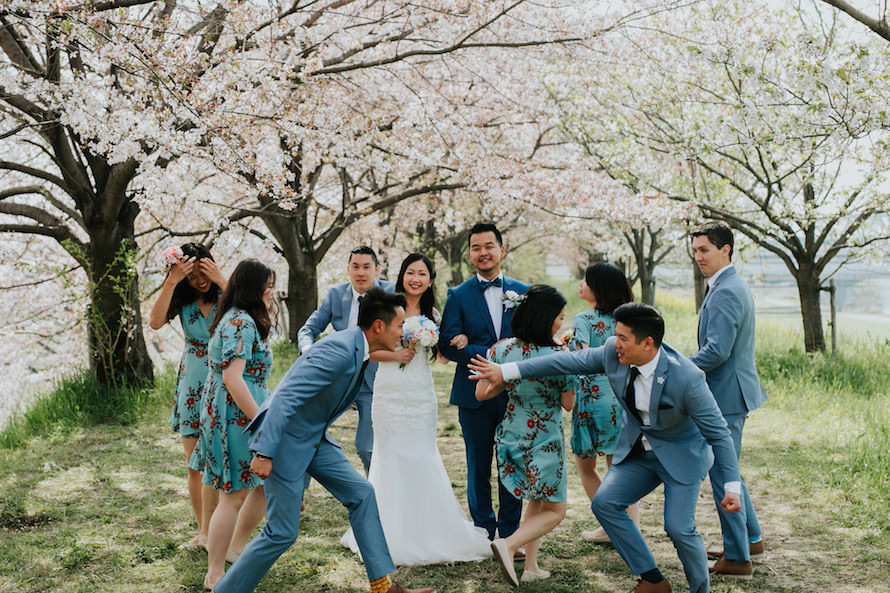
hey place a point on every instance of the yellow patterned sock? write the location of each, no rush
(380, 585)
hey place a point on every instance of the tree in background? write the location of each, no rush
(314, 115)
(763, 117)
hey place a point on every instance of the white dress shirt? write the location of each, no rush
(713, 277)
(494, 298)
(643, 393)
(353, 310)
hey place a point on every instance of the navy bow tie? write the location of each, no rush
(483, 285)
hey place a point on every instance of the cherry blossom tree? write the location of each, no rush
(308, 115)
(760, 120)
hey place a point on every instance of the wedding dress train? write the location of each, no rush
(422, 520)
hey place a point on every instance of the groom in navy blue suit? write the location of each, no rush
(477, 314)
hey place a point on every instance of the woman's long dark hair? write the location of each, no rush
(245, 291)
(184, 294)
(609, 286)
(428, 298)
(533, 320)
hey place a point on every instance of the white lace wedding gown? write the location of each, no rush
(422, 520)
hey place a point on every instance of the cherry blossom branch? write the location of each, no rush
(879, 26)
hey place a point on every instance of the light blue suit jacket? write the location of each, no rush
(686, 428)
(726, 345)
(319, 387)
(466, 312)
(334, 310)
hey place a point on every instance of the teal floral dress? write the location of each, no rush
(186, 415)
(529, 439)
(223, 446)
(596, 418)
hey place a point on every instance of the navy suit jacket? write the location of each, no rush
(319, 387)
(334, 310)
(686, 429)
(466, 312)
(726, 345)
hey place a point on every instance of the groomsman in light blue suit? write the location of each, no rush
(726, 355)
(290, 440)
(340, 309)
(672, 433)
(477, 315)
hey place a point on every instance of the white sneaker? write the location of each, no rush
(528, 576)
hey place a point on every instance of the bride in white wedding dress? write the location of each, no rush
(422, 520)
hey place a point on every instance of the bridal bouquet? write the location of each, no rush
(419, 330)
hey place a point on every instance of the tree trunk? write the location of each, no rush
(453, 252)
(117, 346)
(647, 285)
(699, 282)
(302, 295)
(809, 290)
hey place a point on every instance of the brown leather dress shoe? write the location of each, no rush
(397, 588)
(756, 548)
(644, 586)
(733, 570)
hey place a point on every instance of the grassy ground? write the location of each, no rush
(103, 509)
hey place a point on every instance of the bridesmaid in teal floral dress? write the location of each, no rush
(529, 440)
(191, 291)
(240, 360)
(596, 419)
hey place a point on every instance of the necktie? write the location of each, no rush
(630, 396)
(360, 379)
(483, 285)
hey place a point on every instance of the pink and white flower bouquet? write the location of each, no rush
(419, 330)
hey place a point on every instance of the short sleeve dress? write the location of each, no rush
(223, 445)
(186, 415)
(529, 439)
(596, 419)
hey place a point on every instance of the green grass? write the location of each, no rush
(80, 401)
(103, 507)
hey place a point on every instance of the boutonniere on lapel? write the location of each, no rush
(511, 299)
(660, 380)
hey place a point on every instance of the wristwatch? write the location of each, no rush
(261, 456)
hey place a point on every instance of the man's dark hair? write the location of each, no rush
(609, 286)
(718, 233)
(377, 303)
(363, 250)
(533, 320)
(485, 227)
(643, 320)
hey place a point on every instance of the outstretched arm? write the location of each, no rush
(316, 323)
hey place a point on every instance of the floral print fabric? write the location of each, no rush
(529, 439)
(186, 415)
(596, 418)
(223, 442)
